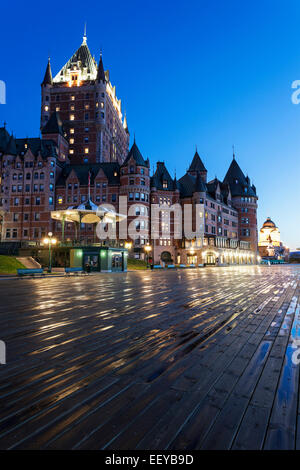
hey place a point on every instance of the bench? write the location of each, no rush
(30, 272)
(171, 266)
(200, 265)
(182, 266)
(157, 266)
(74, 271)
(191, 266)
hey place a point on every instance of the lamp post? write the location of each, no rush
(50, 241)
(128, 245)
(147, 248)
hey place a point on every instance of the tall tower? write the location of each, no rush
(244, 199)
(82, 94)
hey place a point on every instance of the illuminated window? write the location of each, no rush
(72, 117)
(87, 106)
(71, 151)
(71, 131)
(97, 105)
(46, 108)
(71, 141)
(60, 200)
(57, 108)
(102, 104)
(72, 98)
(86, 150)
(72, 107)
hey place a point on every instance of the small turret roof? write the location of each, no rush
(136, 155)
(54, 125)
(48, 75)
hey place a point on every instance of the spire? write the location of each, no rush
(84, 39)
(48, 75)
(101, 73)
(125, 126)
(233, 154)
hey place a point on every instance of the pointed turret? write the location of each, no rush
(197, 167)
(238, 183)
(197, 164)
(48, 75)
(136, 155)
(100, 72)
(54, 125)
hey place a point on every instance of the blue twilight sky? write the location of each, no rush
(207, 73)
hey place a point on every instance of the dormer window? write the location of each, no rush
(131, 169)
(165, 184)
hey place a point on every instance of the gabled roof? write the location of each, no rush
(54, 125)
(239, 185)
(137, 156)
(160, 176)
(82, 172)
(48, 75)
(197, 164)
(44, 147)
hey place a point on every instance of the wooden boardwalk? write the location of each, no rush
(194, 359)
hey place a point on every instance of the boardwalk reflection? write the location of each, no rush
(182, 359)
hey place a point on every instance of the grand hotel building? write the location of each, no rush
(84, 149)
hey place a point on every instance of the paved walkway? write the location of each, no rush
(197, 359)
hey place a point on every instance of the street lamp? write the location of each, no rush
(147, 248)
(50, 241)
(128, 245)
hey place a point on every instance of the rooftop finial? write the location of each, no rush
(84, 35)
(233, 154)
